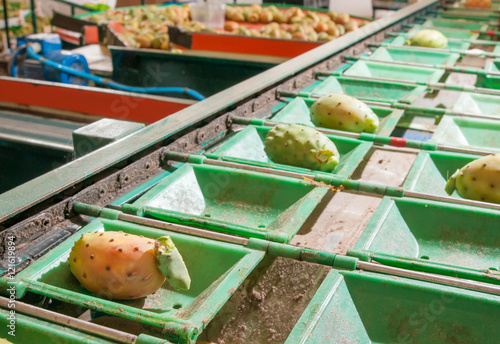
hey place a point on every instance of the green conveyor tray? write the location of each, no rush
(365, 308)
(440, 237)
(298, 112)
(468, 132)
(454, 24)
(453, 45)
(415, 56)
(234, 201)
(33, 330)
(372, 69)
(216, 269)
(490, 81)
(463, 14)
(476, 103)
(431, 170)
(374, 90)
(247, 146)
(456, 34)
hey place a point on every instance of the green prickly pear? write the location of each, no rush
(124, 266)
(478, 180)
(428, 38)
(342, 112)
(301, 146)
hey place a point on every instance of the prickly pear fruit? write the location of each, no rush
(301, 146)
(124, 266)
(478, 180)
(342, 112)
(429, 39)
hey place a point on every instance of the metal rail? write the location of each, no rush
(70, 322)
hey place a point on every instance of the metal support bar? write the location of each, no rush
(399, 106)
(33, 15)
(384, 140)
(67, 321)
(429, 277)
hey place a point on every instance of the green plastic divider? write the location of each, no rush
(375, 90)
(456, 34)
(363, 307)
(415, 56)
(372, 69)
(233, 201)
(454, 24)
(467, 15)
(436, 237)
(298, 112)
(431, 170)
(216, 270)
(475, 103)
(248, 147)
(468, 132)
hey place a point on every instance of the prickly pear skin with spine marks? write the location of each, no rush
(342, 112)
(478, 180)
(301, 146)
(116, 265)
(428, 38)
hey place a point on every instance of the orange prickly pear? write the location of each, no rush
(123, 266)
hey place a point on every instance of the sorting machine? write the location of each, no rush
(374, 252)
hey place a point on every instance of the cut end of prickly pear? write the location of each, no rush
(324, 155)
(171, 264)
(451, 183)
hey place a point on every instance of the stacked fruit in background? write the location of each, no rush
(147, 27)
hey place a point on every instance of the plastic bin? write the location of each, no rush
(375, 90)
(362, 307)
(371, 69)
(468, 132)
(298, 112)
(234, 201)
(476, 103)
(445, 238)
(216, 270)
(248, 147)
(415, 56)
(454, 24)
(453, 45)
(431, 170)
(455, 34)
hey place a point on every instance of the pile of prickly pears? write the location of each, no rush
(429, 39)
(123, 266)
(301, 146)
(478, 180)
(342, 112)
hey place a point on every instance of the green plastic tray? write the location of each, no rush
(216, 270)
(468, 132)
(386, 70)
(233, 201)
(456, 34)
(366, 308)
(461, 240)
(467, 15)
(375, 90)
(490, 81)
(415, 56)
(431, 170)
(454, 24)
(247, 146)
(298, 112)
(454, 45)
(480, 104)
(33, 330)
